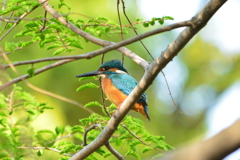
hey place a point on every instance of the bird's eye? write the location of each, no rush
(104, 69)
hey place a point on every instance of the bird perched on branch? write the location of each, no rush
(117, 85)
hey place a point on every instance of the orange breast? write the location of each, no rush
(117, 97)
(113, 94)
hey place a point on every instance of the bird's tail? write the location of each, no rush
(143, 109)
(146, 112)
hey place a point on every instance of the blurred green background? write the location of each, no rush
(197, 77)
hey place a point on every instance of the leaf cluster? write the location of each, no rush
(18, 7)
(159, 20)
(17, 110)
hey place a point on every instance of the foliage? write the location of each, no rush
(19, 109)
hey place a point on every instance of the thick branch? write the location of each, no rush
(172, 50)
(214, 148)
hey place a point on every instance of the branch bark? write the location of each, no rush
(214, 148)
(199, 21)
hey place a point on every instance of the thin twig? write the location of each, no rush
(60, 138)
(8, 21)
(88, 130)
(44, 21)
(119, 19)
(124, 12)
(170, 93)
(61, 40)
(138, 138)
(113, 151)
(16, 23)
(102, 94)
(47, 148)
(120, 23)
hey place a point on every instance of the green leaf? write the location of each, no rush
(104, 112)
(168, 18)
(10, 46)
(88, 85)
(91, 77)
(84, 121)
(100, 151)
(59, 130)
(53, 46)
(134, 143)
(146, 24)
(136, 155)
(161, 21)
(64, 4)
(31, 112)
(46, 107)
(58, 51)
(152, 23)
(93, 103)
(158, 155)
(105, 155)
(77, 128)
(31, 71)
(40, 152)
(139, 19)
(146, 149)
(9, 9)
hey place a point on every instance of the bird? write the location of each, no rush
(117, 84)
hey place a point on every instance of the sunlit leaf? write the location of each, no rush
(93, 103)
(88, 85)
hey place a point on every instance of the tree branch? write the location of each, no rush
(89, 55)
(108, 145)
(113, 151)
(138, 138)
(113, 46)
(214, 148)
(199, 21)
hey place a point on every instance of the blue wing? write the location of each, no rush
(126, 84)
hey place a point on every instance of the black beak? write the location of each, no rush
(94, 73)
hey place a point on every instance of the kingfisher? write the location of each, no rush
(117, 84)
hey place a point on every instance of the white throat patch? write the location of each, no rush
(102, 75)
